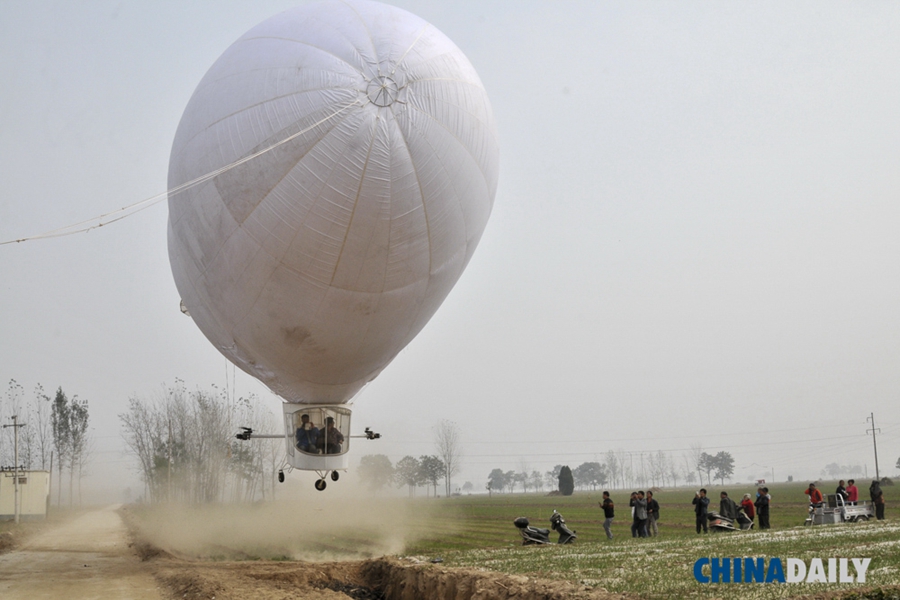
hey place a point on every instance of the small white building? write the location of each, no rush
(34, 494)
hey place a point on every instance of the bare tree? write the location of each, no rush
(626, 470)
(660, 468)
(652, 469)
(537, 481)
(40, 414)
(449, 449)
(141, 436)
(613, 467)
(695, 456)
(186, 451)
(673, 471)
(82, 461)
(256, 470)
(523, 476)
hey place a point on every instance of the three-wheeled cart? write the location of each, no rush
(836, 510)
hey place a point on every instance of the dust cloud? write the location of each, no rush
(311, 527)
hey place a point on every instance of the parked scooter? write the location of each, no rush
(566, 535)
(718, 523)
(539, 535)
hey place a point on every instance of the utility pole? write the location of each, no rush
(873, 430)
(15, 425)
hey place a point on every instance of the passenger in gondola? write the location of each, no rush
(307, 435)
(330, 439)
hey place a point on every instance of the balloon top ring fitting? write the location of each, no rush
(382, 91)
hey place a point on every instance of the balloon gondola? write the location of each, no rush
(329, 181)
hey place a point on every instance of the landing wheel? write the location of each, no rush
(280, 476)
(335, 475)
(320, 484)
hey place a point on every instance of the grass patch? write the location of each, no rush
(477, 532)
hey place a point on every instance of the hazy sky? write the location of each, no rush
(694, 241)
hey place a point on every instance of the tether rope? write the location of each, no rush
(132, 209)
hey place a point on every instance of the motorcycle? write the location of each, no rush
(718, 523)
(539, 535)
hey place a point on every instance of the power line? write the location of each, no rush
(517, 455)
(609, 440)
(704, 436)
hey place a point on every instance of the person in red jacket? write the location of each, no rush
(815, 496)
(852, 491)
(747, 505)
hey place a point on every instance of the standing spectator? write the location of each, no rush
(762, 507)
(701, 509)
(841, 490)
(877, 499)
(852, 492)
(640, 514)
(608, 512)
(815, 496)
(747, 505)
(727, 507)
(632, 502)
(652, 515)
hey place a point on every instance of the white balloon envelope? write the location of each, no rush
(330, 179)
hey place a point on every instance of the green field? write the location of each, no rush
(477, 531)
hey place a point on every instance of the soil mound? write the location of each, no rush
(375, 579)
(398, 580)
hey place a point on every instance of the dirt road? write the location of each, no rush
(87, 558)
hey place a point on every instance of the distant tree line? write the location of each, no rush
(185, 448)
(54, 433)
(836, 471)
(376, 472)
(619, 469)
(501, 481)
(719, 466)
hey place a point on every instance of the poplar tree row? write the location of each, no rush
(185, 448)
(53, 433)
